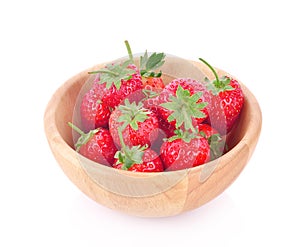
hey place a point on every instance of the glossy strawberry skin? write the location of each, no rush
(178, 154)
(93, 111)
(153, 83)
(188, 84)
(100, 148)
(192, 86)
(145, 134)
(225, 108)
(151, 163)
(207, 130)
(132, 87)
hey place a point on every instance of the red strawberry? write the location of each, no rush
(207, 130)
(93, 111)
(139, 125)
(150, 162)
(227, 100)
(120, 80)
(184, 150)
(180, 96)
(96, 145)
(153, 104)
(215, 140)
(155, 84)
(152, 80)
(136, 158)
(183, 103)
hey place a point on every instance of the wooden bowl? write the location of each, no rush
(149, 194)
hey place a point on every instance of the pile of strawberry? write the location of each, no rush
(131, 120)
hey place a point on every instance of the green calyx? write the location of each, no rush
(219, 84)
(148, 65)
(186, 136)
(132, 114)
(128, 156)
(185, 107)
(217, 145)
(149, 94)
(84, 137)
(113, 74)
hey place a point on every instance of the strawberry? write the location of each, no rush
(96, 145)
(93, 111)
(183, 103)
(150, 162)
(207, 130)
(180, 96)
(155, 84)
(120, 80)
(139, 125)
(184, 150)
(227, 100)
(148, 65)
(215, 140)
(136, 158)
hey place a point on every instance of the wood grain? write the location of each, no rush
(148, 194)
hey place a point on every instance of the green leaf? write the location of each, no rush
(221, 85)
(134, 125)
(178, 135)
(150, 93)
(132, 114)
(206, 80)
(125, 64)
(202, 133)
(184, 107)
(113, 74)
(129, 156)
(155, 61)
(217, 85)
(172, 105)
(181, 93)
(124, 118)
(211, 87)
(148, 65)
(217, 146)
(119, 157)
(228, 88)
(186, 136)
(143, 60)
(84, 137)
(196, 96)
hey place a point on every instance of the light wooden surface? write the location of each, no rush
(150, 194)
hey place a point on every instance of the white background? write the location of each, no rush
(43, 43)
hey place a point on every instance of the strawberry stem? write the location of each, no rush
(129, 51)
(128, 156)
(74, 127)
(104, 71)
(148, 65)
(120, 130)
(212, 69)
(188, 121)
(84, 137)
